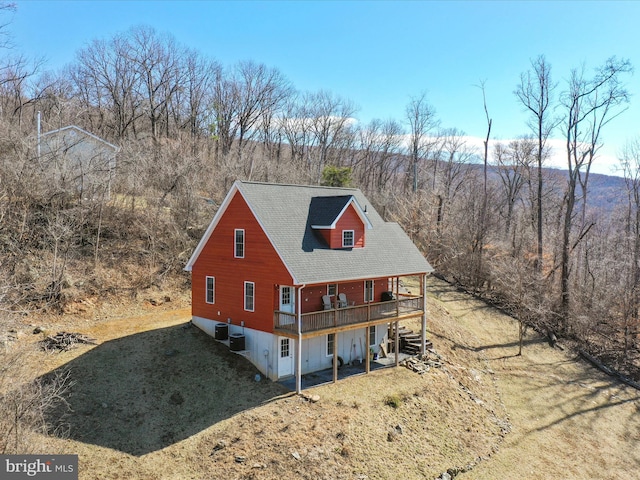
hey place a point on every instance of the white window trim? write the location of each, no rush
(253, 296)
(326, 344)
(373, 283)
(235, 242)
(206, 290)
(372, 332)
(353, 238)
(335, 294)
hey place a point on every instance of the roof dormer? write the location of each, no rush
(339, 220)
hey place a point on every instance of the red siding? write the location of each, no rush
(261, 265)
(312, 295)
(326, 235)
(348, 221)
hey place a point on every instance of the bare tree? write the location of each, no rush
(226, 106)
(15, 71)
(535, 93)
(589, 104)
(479, 238)
(191, 104)
(25, 404)
(261, 90)
(14, 94)
(421, 117)
(329, 117)
(378, 148)
(107, 86)
(513, 162)
(630, 163)
(6, 8)
(244, 97)
(295, 125)
(453, 156)
(157, 61)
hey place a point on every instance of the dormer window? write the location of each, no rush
(339, 221)
(347, 238)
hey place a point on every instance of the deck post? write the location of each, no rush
(299, 342)
(397, 296)
(397, 343)
(423, 333)
(367, 347)
(335, 357)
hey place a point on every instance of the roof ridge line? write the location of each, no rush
(296, 185)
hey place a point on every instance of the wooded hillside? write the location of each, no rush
(543, 244)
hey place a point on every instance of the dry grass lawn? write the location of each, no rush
(154, 400)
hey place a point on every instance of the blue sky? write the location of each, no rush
(378, 54)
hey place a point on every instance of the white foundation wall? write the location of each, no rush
(261, 348)
(352, 346)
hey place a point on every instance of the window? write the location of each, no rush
(368, 291)
(284, 347)
(347, 238)
(332, 289)
(249, 294)
(330, 343)
(211, 290)
(239, 244)
(286, 295)
(372, 336)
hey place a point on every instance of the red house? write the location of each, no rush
(292, 275)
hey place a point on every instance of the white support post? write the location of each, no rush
(335, 357)
(423, 337)
(299, 342)
(367, 347)
(397, 343)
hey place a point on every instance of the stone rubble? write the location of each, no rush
(423, 363)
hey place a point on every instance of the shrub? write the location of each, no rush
(393, 401)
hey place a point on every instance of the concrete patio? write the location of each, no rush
(322, 377)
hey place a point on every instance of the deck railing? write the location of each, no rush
(352, 315)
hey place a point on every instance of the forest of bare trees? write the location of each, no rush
(523, 236)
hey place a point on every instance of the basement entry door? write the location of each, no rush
(285, 357)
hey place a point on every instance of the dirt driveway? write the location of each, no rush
(568, 420)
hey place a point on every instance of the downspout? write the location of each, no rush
(299, 349)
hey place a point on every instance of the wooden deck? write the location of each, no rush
(349, 317)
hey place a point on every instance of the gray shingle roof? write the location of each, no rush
(284, 213)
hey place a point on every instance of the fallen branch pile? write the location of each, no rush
(64, 341)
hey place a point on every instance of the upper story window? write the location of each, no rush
(238, 251)
(347, 238)
(211, 290)
(332, 289)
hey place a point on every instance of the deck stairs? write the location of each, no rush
(409, 341)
